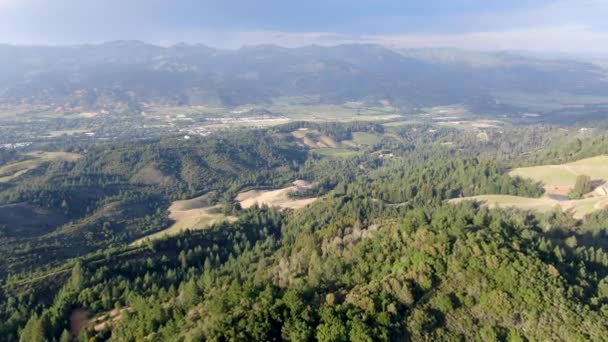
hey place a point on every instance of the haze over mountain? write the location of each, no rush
(134, 73)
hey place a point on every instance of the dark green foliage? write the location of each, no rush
(381, 256)
(118, 193)
(582, 186)
(443, 179)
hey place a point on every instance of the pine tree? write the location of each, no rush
(77, 280)
(583, 185)
(65, 336)
(34, 331)
(191, 293)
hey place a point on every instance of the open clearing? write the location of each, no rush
(335, 152)
(344, 112)
(14, 170)
(198, 213)
(192, 214)
(313, 139)
(365, 138)
(273, 198)
(560, 179)
(578, 208)
(327, 146)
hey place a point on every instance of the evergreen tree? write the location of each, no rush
(582, 186)
(77, 279)
(34, 330)
(65, 336)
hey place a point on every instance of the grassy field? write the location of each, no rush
(335, 152)
(273, 198)
(506, 201)
(334, 112)
(579, 208)
(162, 111)
(12, 171)
(560, 179)
(313, 139)
(403, 123)
(26, 113)
(198, 213)
(365, 138)
(192, 214)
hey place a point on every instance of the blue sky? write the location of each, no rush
(572, 26)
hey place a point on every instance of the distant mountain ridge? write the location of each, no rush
(130, 74)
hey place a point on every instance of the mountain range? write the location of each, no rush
(132, 74)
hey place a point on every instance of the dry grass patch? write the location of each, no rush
(578, 208)
(560, 179)
(273, 198)
(313, 139)
(192, 214)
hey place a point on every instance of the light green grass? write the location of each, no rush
(506, 201)
(558, 179)
(565, 175)
(551, 175)
(335, 152)
(403, 123)
(578, 208)
(193, 214)
(365, 138)
(334, 112)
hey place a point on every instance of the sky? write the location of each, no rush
(563, 26)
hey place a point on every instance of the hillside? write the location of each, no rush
(210, 238)
(559, 182)
(112, 195)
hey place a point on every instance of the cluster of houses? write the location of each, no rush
(13, 146)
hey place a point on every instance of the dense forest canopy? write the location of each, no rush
(380, 255)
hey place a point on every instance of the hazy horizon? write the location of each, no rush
(538, 26)
(526, 53)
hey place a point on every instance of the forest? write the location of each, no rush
(380, 255)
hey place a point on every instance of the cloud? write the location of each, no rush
(569, 39)
(537, 25)
(589, 13)
(559, 39)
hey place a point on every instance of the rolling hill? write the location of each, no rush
(557, 180)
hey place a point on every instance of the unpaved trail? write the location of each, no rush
(273, 198)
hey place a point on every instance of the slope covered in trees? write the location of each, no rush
(380, 256)
(115, 194)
